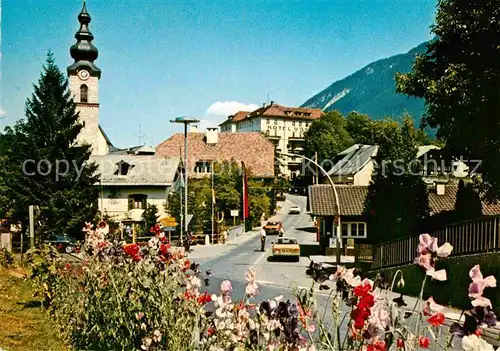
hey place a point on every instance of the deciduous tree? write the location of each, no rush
(459, 76)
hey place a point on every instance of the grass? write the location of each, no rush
(25, 325)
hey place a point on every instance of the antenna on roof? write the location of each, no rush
(268, 98)
(140, 135)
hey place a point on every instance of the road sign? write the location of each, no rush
(189, 218)
(234, 213)
(169, 229)
(168, 222)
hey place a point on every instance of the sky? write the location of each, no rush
(207, 59)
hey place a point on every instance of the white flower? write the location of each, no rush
(437, 275)
(481, 301)
(475, 343)
(444, 250)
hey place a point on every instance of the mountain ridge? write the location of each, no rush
(372, 90)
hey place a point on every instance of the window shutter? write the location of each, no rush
(130, 202)
(144, 202)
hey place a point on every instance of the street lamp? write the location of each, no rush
(186, 121)
(336, 215)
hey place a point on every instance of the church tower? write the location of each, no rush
(84, 78)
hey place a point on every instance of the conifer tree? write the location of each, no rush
(468, 204)
(47, 167)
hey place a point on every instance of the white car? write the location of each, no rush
(294, 209)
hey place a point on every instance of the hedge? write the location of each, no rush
(452, 292)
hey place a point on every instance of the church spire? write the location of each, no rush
(83, 51)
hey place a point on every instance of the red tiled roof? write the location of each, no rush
(252, 148)
(352, 200)
(276, 110)
(238, 116)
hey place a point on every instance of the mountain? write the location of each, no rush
(372, 90)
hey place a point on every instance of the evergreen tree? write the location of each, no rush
(468, 204)
(45, 166)
(397, 199)
(150, 216)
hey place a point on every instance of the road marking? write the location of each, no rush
(261, 256)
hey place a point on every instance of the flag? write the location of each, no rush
(245, 192)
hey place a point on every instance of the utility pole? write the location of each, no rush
(140, 135)
(32, 225)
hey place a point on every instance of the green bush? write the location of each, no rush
(6, 258)
(454, 291)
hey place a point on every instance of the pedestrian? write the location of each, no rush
(262, 239)
(282, 231)
(187, 242)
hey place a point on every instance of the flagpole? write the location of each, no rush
(213, 200)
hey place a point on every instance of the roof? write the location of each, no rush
(422, 150)
(352, 200)
(238, 116)
(275, 110)
(108, 141)
(252, 148)
(144, 170)
(134, 150)
(355, 158)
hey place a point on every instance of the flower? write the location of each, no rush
(364, 288)
(423, 342)
(475, 343)
(437, 275)
(133, 250)
(252, 287)
(428, 251)
(436, 319)
(476, 288)
(157, 335)
(226, 287)
(431, 307)
(400, 343)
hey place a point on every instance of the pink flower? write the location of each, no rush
(251, 289)
(226, 287)
(424, 261)
(476, 288)
(431, 307)
(481, 302)
(427, 244)
(437, 275)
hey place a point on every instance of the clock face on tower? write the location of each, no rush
(83, 74)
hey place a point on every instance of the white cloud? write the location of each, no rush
(227, 108)
(3, 113)
(220, 110)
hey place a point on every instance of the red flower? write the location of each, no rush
(423, 341)
(188, 295)
(363, 289)
(187, 264)
(204, 298)
(378, 345)
(210, 331)
(436, 320)
(360, 316)
(133, 250)
(366, 302)
(164, 248)
(478, 332)
(400, 343)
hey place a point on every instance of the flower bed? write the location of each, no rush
(149, 298)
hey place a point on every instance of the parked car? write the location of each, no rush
(286, 247)
(294, 209)
(272, 228)
(64, 243)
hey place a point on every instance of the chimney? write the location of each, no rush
(193, 128)
(440, 189)
(272, 103)
(212, 135)
(263, 104)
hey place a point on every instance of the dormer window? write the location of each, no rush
(123, 168)
(84, 91)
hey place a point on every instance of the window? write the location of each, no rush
(123, 168)
(354, 229)
(275, 123)
(84, 90)
(203, 167)
(268, 121)
(137, 201)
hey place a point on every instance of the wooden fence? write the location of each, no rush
(479, 235)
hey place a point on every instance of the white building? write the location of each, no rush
(284, 126)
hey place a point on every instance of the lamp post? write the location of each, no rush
(336, 217)
(186, 121)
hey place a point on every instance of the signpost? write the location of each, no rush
(234, 214)
(169, 224)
